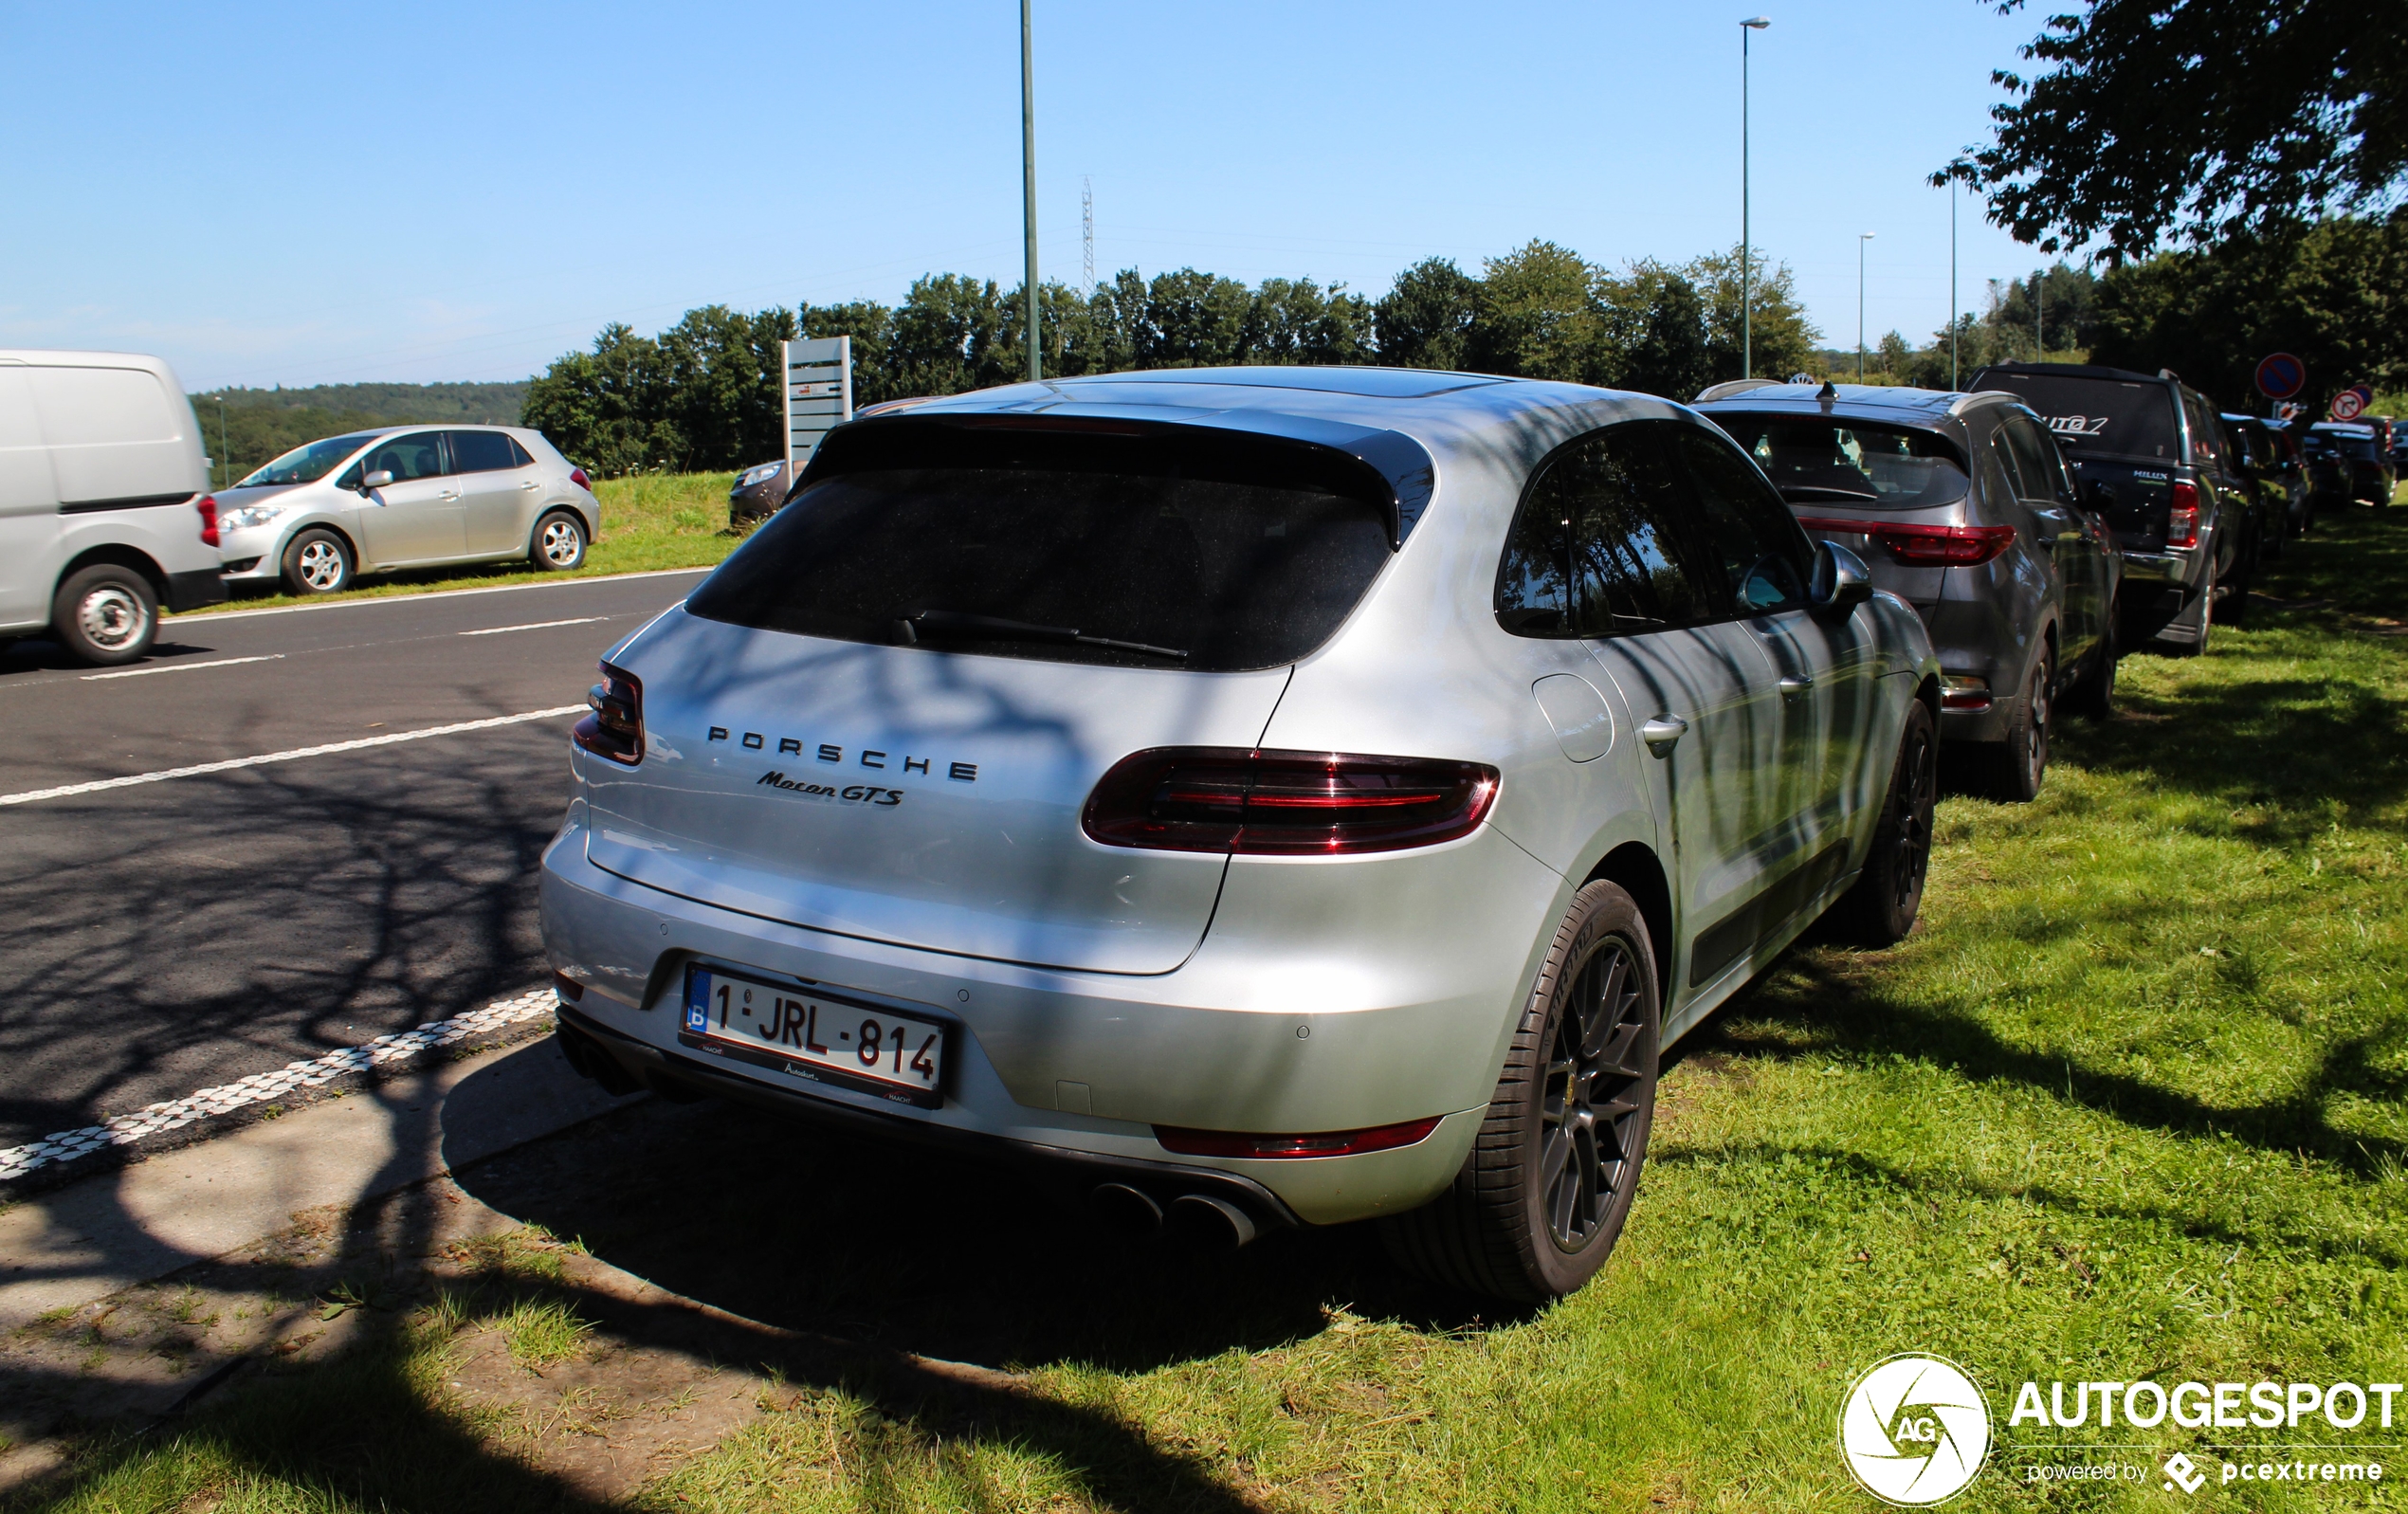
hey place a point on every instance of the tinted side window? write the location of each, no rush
(419, 455)
(482, 453)
(2207, 436)
(1598, 550)
(2034, 465)
(1748, 530)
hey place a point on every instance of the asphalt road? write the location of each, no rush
(166, 935)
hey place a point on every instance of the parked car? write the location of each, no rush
(2269, 477)
(1964, 507)
(2352, 464)
(406, 497)
(757, 493)
(1250, 795)
(2147, 455)
(105, 514)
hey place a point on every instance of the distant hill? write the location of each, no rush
(259, 425)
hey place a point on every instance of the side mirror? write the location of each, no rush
(376, 480)
(1841, 579)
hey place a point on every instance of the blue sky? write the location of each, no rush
(301, 194)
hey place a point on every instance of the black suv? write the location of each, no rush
(2151, 456)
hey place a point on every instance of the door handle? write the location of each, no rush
(1794, 685)
(530, 484)
(448, 494)
(1664, 732)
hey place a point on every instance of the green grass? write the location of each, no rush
(2130, 1104)
(649, 522)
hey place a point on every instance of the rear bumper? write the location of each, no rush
(1285, 1020)
(190, 591)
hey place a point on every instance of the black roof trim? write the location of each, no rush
(2121, 376)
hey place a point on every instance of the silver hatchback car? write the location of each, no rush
(1259, 796)
(406, 497)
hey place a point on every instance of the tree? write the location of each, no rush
(724, 385)
(1425, 318)
(2198, 118)
(1656, 333)
(1781, 338)
(604, 409)
(1538, 317)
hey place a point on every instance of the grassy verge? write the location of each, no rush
(2133, 1105)
(649, 522)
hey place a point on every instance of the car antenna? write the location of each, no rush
(1826, 391)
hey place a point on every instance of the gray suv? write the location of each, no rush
(1964, 507)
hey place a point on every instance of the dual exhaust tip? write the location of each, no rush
(1199, 1220)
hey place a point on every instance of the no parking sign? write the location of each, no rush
(2281, 376)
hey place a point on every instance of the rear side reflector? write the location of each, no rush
(1328, 1144)
(1248, 803)
(613, 724)
(1924, 546)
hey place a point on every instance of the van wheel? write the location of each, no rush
(558, 542)
(105, 615)
(1543, 1197)
(1881, 909)
(316, 562)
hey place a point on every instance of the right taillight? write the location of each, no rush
(577, 476)
(1294, 804)
(1925, 546)
(2183, 522)
(613, 724)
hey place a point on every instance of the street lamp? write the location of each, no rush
(1862, 238)
(1029, 181)
(1746, 309)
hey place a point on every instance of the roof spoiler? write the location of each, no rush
(1736, 385)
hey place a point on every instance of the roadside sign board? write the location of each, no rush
(2351, 403)
(819, 394)
(2281, 376)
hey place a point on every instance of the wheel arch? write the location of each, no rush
(1632, 867)
(118, 554)
(333, 528)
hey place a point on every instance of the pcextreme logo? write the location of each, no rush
(1914, 1429)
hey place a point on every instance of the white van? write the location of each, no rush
(105, 513)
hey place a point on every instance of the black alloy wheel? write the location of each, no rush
(1593, 1110)
(1545, 1191)
(1881, 908)
(2023, 758)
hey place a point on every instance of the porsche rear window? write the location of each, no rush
(1208, 552)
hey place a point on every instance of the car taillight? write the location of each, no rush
(1926, 546)
(2183, 522)
(1233, 800)
(613, 724)
(207, 504)
(1328, 1143)
(577, 476)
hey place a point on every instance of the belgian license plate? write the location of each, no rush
(816, 1036)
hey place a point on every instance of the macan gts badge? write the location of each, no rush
(1245, 798)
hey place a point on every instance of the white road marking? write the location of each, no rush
(15, 1161)
(540, 625)
(182, 667)
(197, 616)
(67, 789)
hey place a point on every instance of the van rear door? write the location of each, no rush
(29, 507)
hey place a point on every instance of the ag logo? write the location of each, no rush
(1914, 1429)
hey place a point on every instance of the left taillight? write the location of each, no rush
(614, 722)
(1294, 804)
(1920, 546)
(207, 504)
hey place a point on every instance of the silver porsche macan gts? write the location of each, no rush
(1253, 797)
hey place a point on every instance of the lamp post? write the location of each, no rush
(1952, 283)
(1746, 290)
(1862, 238)
(224, 449)
(1029, 182)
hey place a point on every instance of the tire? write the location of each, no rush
(2094, 696)
(105, 614)
(1881, 909)
(2022, 758)
(558, 543)
(1544, 1192)
(317, 562)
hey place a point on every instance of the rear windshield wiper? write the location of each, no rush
(1819, 491)
(908, 629)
